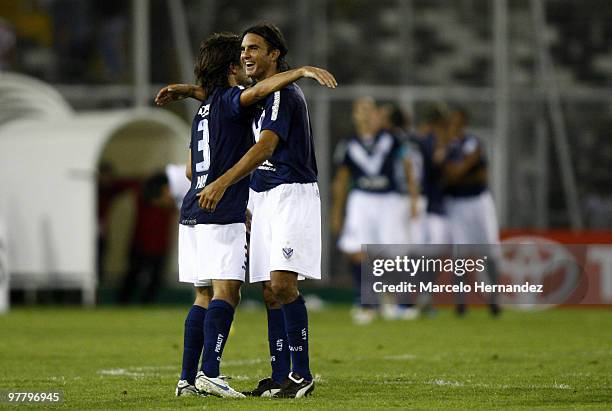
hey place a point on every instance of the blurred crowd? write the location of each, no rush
(66, 41)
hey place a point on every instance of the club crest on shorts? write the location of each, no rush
(287, 252)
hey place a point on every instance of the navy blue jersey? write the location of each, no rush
(293, 161)
(220, 136)
(458, 150)
(376, 164)
(432, 176)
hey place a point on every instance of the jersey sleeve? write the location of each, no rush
(278, 113)
(231, 101)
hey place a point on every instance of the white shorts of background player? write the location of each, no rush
(211, 252)
(438, 229)
(375, 218)
(286, 231)
(473, 221)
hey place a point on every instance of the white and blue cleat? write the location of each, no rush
(216, 386)
(184, 389)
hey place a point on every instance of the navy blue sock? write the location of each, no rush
(279, 347)
(296, 322)
(216, 330)
(193, 342)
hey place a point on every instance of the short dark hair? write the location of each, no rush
(275, 39)
(217, 53)
(463, 112)
(436, 114)
(397, 117)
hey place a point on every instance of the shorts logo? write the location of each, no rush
(287, 252)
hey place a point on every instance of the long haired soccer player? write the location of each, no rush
(212, 242)
(286, 227)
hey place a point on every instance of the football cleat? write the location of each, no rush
(295, 387)
(266, 388)
(408, 313)
(362, 316)
(184, 389)
(216, 386)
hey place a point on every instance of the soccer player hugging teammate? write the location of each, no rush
(433, 146)
(286, 226)
(469, 203)
(212, 239)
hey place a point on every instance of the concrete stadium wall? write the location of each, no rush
(48, 170)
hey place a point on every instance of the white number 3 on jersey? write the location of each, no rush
(204, 147)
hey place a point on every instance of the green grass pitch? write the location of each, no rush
(114, 358)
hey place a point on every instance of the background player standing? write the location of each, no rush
(366, 183)
(471, 212)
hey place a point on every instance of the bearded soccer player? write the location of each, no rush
(212, 242)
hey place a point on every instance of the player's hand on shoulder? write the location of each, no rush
(174, 92)
(324, 77)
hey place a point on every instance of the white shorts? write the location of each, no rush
(211, 252)
(375, 218)
(286, 231)
(473, 219)
(418, 224)
(438, 229)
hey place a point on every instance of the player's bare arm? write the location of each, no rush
(260, 152)
(252, 95)
(454, 171)
(413, 187)
(276, 82)
(188, 167)
(340, 190)
(175, 92)
(440, 151)
(479, 177)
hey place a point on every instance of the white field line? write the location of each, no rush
(555, 385)
(252, 361)
(156, 370)
(391, 380)
(140, 371)
(401, 357)
(151, 371)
